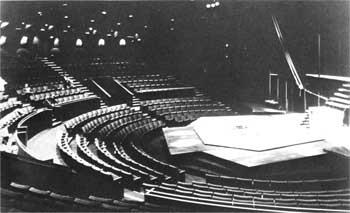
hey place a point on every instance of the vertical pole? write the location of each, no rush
(305, 104)
(278, 89)
(269, 85)
(319, 67)
(286, 94)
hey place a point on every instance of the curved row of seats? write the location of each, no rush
(42, 87)
(9, 105)
(81, 164)
(149, 104)
(14, 116)
(56, 93)
(80, 120)
(281, 185)
(25, 198)
(130, 138)
(229, 198)
(96, 124)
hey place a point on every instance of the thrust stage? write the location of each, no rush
(254, 140)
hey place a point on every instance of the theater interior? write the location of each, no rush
(175, 106)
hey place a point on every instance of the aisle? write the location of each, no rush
(44, 144)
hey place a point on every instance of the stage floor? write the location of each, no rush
(252, 140)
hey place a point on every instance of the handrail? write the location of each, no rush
(329, 77)
(104, 91)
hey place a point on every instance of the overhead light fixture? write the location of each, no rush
(42, 29)
(217, 3)
(64, 4)
(2, 40)
(24, 40)
(115, 34)
(92, 20)
(36, 40)
(109, 35)
(56, 42)
(122, 42)
(50, 27)
(172, 20)
(145, 26)
(226, 45)
(65, 17)
(131, 16)
(90, 28)
(104, 12)
(68, 26)
(52, 37)
(28, 26)
(101, 42)
(212, 5)
(87, 33)
(79, 43)
(207, 6)
(118, 23)
(94, 32)
(139, 40)
(4, 24)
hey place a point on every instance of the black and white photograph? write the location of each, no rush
(175, 106)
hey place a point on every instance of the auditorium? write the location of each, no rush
(175, 106)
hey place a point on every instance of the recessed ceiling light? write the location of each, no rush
(92, 20)
(65, 17)
(118, 23)
(131, 16)
(104, 13)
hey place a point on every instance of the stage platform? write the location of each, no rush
(254, 140)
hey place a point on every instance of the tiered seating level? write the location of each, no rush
(179, 110)
(13, 117)
(198, 196)
(9, 105)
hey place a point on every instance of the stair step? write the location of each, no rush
(337, 105)
(344, 90)
(340, 100)
(346, 85)
(341, 95)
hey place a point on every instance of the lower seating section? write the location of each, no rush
(281, 185)
(230, 198)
